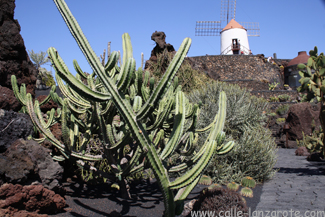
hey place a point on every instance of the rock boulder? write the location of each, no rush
(13, 126)
(26, 162)
(301, 118)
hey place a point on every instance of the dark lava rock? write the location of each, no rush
(301, 118)
(14, 59)
(8, 101)
(25, 162)
(13, 126)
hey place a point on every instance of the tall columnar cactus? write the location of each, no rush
(313, 82)
(139, 125)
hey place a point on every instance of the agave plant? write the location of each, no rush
(139, 125)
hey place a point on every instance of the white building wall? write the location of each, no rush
(235, 33)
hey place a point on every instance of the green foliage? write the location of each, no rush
(273, 85)
(243, 110)
(255, 153)
(254, 156)
(46, 77)
(282, 109)
(272, 114)
(313, 83)
(280, 120)
(38, 59)
(314, 142)
(274, 99)
(189, 78)
(284, 98)
(139, 127)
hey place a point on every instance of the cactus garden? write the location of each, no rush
(169, 136)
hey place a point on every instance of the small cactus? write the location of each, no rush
(248, 182)
(233, 186)
(205, 180)
(214, 186)
(246, 192)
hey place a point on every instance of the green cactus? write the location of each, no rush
(313, 83)
(246, 192)
(205, 180)
(314, 142)
(248, 182)
(215, 186)
(233, 186)
(137, 125)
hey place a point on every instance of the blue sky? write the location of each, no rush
(286, 26)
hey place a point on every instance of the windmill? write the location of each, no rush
(234, 35)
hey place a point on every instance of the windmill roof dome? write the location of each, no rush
(301, 58)
(232, 25)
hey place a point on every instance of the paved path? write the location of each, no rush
(299, 185)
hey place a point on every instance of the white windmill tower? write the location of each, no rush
(234, 36)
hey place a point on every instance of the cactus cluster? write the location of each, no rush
(135, 123)
(314, 142)
(313, 82)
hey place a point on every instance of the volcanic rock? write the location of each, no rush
(14, 59)
(33, 198)
(302, 117)
(13, 126)
(25, 162)
(8, 101)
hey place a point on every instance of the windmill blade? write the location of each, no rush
(228, 10)
(253, 28)
(208, 28)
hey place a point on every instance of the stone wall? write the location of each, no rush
(238, 67)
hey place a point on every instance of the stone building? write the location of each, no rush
(291, 71)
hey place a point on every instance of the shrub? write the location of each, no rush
(254, 152)
(280, 120)
(254, 155)
(46, 77)
(188, 77)
(274, 99)
(243, 110)
(284, 97)
(282, 109)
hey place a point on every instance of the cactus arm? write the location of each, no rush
(112, 61)
(21, 98)
(182, 195)
(126, 75)
(49, 135)
(61, 69)
(166, 79)
(74, 109)
(78, 69)
(164, 109)
(214, 133)
(67, 94)
(178, 126)
(196, 171)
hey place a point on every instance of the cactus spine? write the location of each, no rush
(138, 125)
